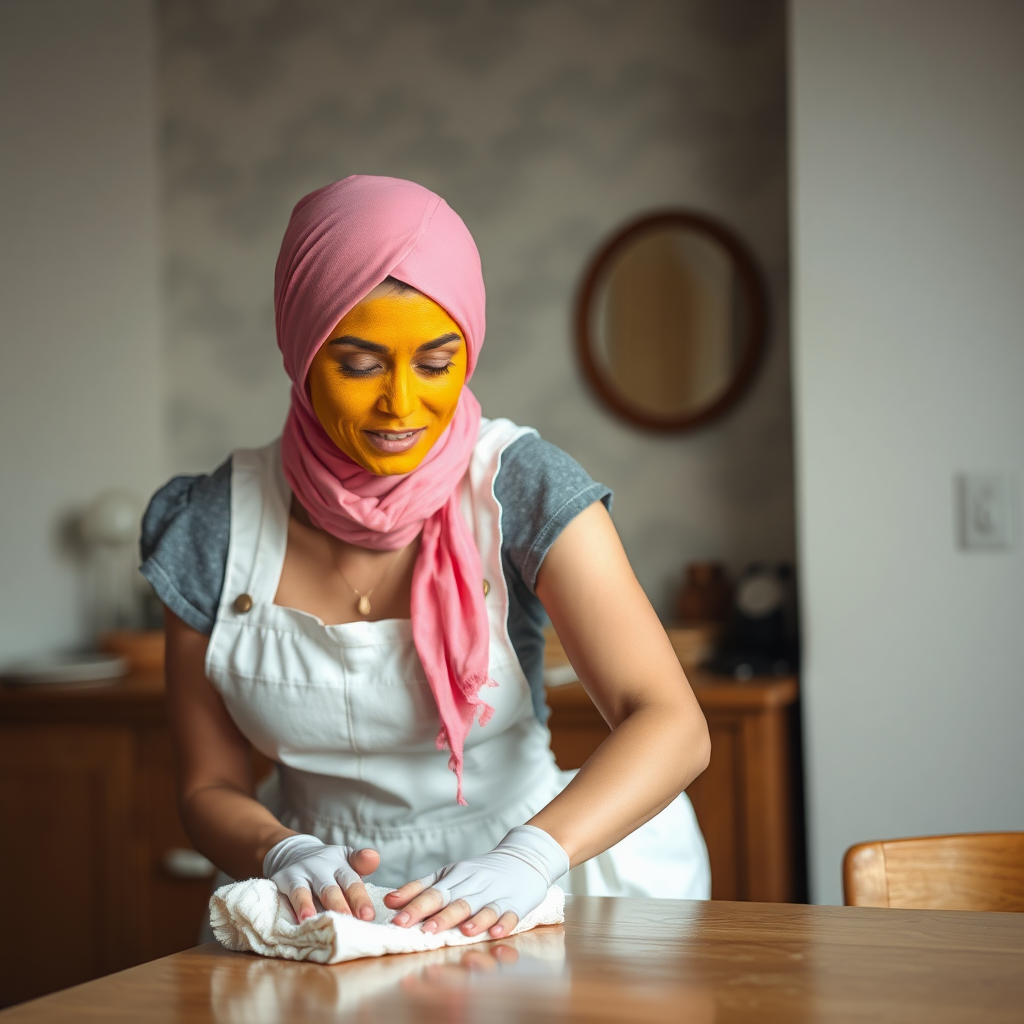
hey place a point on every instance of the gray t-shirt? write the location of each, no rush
(539, 488)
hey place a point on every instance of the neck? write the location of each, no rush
(299, 513)
(301, 516)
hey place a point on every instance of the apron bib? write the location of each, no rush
(348, 716)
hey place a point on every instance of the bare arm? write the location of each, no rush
(216, 795)
(659, 742)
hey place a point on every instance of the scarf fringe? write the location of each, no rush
(481, 711)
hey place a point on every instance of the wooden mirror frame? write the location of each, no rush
(750, 282)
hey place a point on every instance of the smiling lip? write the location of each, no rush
(393, 442)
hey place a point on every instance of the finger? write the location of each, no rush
(360, 902)
(400, 897)
(480, 922)
(505, 924)
(427, 903)
(365, 862)
(333, 898)
(455, 913)
(302, 903)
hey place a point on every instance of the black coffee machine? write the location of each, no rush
(760, 637)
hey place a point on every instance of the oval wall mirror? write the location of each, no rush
(670, 320)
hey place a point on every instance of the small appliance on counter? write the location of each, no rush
(760, 637)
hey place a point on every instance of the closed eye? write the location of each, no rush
(347, 370)
(436, 371)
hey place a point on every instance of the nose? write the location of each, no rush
(397, 399)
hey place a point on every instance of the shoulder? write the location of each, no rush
(184, 544)
(183, 502)
(540, 489)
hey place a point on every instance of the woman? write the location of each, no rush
(371, 588)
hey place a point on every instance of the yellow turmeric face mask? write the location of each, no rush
(387, 381)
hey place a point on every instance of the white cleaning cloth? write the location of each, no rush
(253, 916)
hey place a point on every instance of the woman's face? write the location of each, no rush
(387, 381)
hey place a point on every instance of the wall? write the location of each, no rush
(545, 124)
(907, 165)
(80, 391)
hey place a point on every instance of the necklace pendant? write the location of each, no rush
(364, 605)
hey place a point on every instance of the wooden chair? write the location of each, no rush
(983, 871)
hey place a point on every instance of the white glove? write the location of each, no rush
(304, 862)
(514, 877)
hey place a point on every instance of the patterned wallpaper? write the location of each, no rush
(545, 124)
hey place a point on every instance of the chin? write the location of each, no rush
(393, 465)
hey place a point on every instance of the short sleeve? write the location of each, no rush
(184, 545)
(540, 489)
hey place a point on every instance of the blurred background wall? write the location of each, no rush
(545, 124)
(141, 139)
(81, 374)
(908, 159)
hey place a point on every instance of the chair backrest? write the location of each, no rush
(983, 871)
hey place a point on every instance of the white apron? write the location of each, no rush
(347, 713)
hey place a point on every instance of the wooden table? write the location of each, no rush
(614, 960)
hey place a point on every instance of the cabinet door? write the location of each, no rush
(717, 798)
(744, 806)
(172, 906)
(65, 801)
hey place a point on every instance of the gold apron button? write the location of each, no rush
(487, 588)
(243, 604)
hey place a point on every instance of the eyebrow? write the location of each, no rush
(372, 346)
(427, 346)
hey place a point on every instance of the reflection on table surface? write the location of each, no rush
(525, 977)
(614, 960)
(268, 991)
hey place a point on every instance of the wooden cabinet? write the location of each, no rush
(747, 801)
(89, 813)
(65, 799)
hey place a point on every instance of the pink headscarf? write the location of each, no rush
(341, 242)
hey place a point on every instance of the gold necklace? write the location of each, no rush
(363, 604)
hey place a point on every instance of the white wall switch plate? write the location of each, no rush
(986, 511)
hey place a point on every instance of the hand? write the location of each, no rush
(302, 865)
(493, 891)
